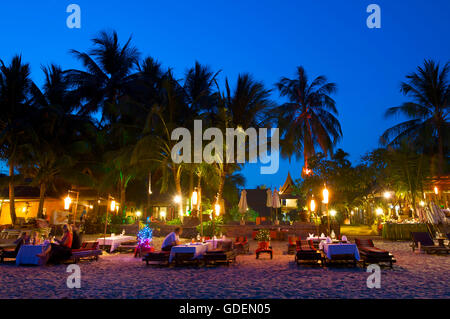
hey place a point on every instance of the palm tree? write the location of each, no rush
(108, 76)
(428, 113)
(246, 106)
(15, 87)
(58, 136)
(308, 120)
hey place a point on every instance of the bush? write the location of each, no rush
(262, 235)
(175, 221)
(208, 227)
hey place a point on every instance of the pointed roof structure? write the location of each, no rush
(288, 188)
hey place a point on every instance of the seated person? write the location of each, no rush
(172, 239)
(61, 250)
(22, 240)
(76, 239)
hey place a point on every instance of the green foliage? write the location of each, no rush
(263, 235)
(175, 221)
(210, 229)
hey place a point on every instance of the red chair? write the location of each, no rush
(241, 245)
(264, 248)
(273, 234)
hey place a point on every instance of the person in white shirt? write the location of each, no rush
(172, 239)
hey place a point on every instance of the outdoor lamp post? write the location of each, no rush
(67, 202)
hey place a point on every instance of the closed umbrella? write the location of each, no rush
(269, 201)
(243, 207)
(276, 202)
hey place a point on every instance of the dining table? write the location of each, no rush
(331, 249)
(27, 255)
(114, 241)
(197, 249)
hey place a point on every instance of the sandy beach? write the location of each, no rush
(123, 276)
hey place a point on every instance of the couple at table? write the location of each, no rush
(173, 239)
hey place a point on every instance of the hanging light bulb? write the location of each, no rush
(312, 205)
(113, 205)
(325, 195)
(217, 209)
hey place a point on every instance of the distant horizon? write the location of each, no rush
(263, 38)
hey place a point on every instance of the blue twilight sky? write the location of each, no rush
(267, 38)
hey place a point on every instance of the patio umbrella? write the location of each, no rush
(276, 202)
(269, 201)
(243, 207)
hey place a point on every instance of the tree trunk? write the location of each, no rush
(42, 191)
(177, 179)
(12, 208)
(441, 153)
(220, 189)
(122, 198)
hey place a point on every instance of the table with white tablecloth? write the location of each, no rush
(340, 249)
(114, 241)
(214, 242)
(27, 255)
(198, 249)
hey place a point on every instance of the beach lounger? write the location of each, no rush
(157, 258)
(264, 248)
(88, 250)
(424, 242)
(224, 253)
(10, 253)
(241, 245)
(373, 255)
(305, 251)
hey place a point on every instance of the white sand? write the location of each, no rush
(122, 276)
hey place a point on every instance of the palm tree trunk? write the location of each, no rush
(177, 179)
(12, 208)
(221, 186)
(42, 191)
(122, 197)
(441, 153)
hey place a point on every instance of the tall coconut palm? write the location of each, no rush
(428, 113)
(15, 88)
(245, 106)
(308, 121)
(109, 73)
(58, 136)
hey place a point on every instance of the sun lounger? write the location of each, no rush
(10, 253)
(88, 250)
(373, 255)
(305, 251)
(224, 253)
(157, 258)
(264, 248)
(241, 245)
(424, 242)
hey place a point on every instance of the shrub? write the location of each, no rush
(208, 227)
(262, 235)
(175, 221)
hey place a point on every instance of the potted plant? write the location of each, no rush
(263, 236)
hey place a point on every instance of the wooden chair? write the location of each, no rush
(10, 253)
(373, 255)
(88, 250)
(157, 258)
(423, 241)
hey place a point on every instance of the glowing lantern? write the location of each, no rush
(177, 199)
(194, 198)
(113, 205)
(387, 195)
(436, 190)
(217, 209)
(312, 205)
(333, 212)
(325, 194)
(67, 202)
(379, 211)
